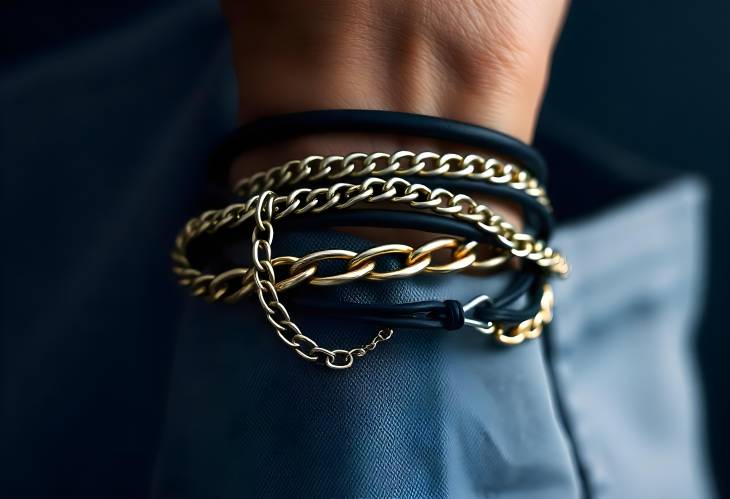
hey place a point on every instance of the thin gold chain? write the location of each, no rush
(269, 207)
(398, 164)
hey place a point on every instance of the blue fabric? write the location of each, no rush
(622, 340)
(114, 384)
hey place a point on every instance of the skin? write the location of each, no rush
(480, 61)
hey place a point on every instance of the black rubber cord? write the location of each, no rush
(288, 126)
(434, 314)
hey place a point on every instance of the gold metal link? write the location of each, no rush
(276, 312)
(343, 195)
(263, 207)
(232, 285)
(531, 328)
(306, 347)
(401, 164)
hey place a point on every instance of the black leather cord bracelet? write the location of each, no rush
(439, 186)
(278, 128)
(448, 314)
(538, 219)
(212, 249)
(393, 219)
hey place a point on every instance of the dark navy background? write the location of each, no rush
(654, 81)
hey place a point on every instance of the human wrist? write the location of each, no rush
(414, 56)
(408, 56)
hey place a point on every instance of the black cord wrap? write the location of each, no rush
(453, 315)
(275, 129)
(434, 314)
(447, 314)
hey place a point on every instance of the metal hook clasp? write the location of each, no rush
(481, 326)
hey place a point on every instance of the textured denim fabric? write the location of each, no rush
(114, 384)
(424, 415)
(623, 349)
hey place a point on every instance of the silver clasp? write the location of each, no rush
(481, 326)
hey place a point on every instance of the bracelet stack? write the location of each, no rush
(426, 191)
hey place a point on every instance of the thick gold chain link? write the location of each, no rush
(233, 284)
(531, 328)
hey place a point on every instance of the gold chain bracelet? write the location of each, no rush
(269, 207)
(343, 195)
(233, 284)
(531, 328)
(264, 206)
(398, 164)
